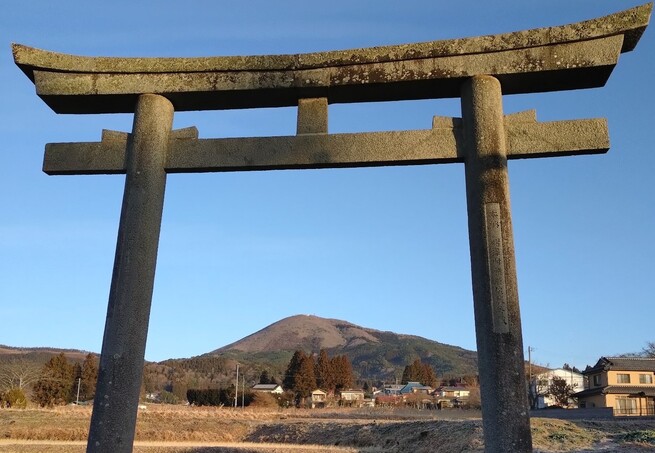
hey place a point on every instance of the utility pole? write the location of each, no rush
(77, 400)
(530, 363)
(532, 391)
(243, 390)
(236, 388)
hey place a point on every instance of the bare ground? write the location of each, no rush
(179, 429)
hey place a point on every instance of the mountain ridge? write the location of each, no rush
(375, 354)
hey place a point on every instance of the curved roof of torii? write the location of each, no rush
(580, 55)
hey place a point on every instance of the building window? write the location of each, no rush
(645, 378)
(622, 378)
(596, 380)
(626, 406)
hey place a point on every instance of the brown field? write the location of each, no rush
(178, 429)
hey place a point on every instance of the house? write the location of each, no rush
(451, 392)
(626, 384)
(415, 387)
(392, 389)
(541, 383)
(450, 396)
(352, 397)
(319, 398)
(268, 388)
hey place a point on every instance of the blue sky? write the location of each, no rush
(385, 248)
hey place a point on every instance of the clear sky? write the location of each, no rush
(385, 248)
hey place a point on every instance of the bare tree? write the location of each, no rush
(537, 387)
(18, 373)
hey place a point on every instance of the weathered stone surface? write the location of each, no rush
(579, 55)
(505, 415)
(113, 421)
(442, 144)
(312, 116)
(526, 138)
(630, 23)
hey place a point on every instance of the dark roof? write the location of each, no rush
(647, 390)
(265, 386)
(589, 392)
(622, 364)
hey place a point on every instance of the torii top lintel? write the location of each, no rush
(580, 55)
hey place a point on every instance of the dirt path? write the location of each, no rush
(53, 446)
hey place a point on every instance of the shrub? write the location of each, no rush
(210, 397)
(287, 399)
(14, 398)
(168, 398)
(264, 400)
(641, 437)
(204, 397)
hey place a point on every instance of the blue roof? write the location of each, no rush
(412, 385)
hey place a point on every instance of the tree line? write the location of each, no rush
(58, 382)
(216, 397)
(305, 374)
(419, 372)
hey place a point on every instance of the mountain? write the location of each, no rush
(39, 355)
(304, 332)
(375, 354)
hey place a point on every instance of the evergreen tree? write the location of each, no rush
(263, 377)
(410, 373)
(335, 369)
(324, 372)
(289, 381)
(89, 377)
(343, 372)
(300, 377)
(54, 386)
(348, 376)
(305, 380)
(427, 376)
(420, 372)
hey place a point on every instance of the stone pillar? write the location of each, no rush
(312, 116)
(123, 348)
(505, 415)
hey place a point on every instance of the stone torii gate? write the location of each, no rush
(478, 70)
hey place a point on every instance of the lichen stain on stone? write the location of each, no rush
(357, 74)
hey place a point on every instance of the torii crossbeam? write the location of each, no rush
(479, 70)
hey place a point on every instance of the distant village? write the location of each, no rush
(614, 387)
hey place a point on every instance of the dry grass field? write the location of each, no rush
(178, 429)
